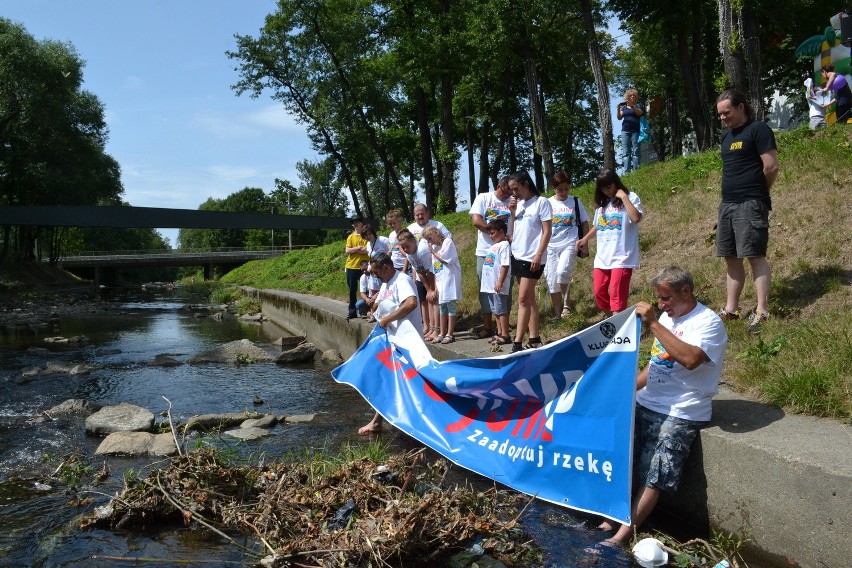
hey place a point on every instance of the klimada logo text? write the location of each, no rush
(608, 336)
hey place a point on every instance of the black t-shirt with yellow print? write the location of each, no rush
(742, 168)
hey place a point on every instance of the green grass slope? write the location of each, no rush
(801, 359)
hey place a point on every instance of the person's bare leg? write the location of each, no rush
(762, 274)
(372, 427)
(556, 303)
(451, 325)
(643, 504)
(526, 300)
(735, 280)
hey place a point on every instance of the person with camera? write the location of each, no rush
(629, 112)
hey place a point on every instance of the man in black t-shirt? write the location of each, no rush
(749, 168)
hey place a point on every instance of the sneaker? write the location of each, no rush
(755, 320)
(728, 316)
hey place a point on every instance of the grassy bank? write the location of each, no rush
(801, 359)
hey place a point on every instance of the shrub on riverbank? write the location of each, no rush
(799, 361)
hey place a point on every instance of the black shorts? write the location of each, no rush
(742, 229)
(521, 269)
(421, 291)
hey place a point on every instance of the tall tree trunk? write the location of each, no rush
(372, 135)
(365, 194)
(471, 164)
(597, 63)
(425, 145)
(731, 44)
(753, 65)
(691, 87)
(673, 115)
(484, 151)
(448, 145)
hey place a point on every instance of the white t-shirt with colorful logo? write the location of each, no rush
(382, 244)
(526, 236)
(417, 230)
(496, 257)
(490, 207)
(617, 236)
(448, 273)
(565, 232)
(395, 291)
(673, 389)
(396, 253)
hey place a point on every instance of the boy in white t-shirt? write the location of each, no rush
(448, 282)
(496, 277)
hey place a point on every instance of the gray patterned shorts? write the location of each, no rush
(661, 446)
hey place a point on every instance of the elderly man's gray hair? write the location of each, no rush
(674, 277)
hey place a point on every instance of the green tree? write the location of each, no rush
(52, 137)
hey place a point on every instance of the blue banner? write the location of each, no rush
(555, 422)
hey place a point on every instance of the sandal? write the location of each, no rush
(448, 339)
(437, 339)
(516, 347)
(502, 340)
(484, 333)
(533, 343)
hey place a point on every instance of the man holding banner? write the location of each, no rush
(675, 391)
(395, 302)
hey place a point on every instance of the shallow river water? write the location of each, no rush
(38, 527)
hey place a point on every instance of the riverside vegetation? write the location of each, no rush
(799, 362)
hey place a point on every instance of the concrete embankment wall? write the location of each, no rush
(785, 481)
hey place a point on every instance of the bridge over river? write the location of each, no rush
(161, 218)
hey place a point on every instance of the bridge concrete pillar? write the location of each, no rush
(97, 277)
(208, 272)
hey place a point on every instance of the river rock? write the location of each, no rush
(58, 367)
(124, 417)
(218, 316)
(103, 352)
(264, 421)
(211, 421)
(57, 339)
(300, 354)
(251, 317)
(137, 444)
(242, 351)
(83, 369)
(164, 361)
(248, 433)
(30, 372)
(299, 418)
(289, 342)
(74, 407)
(332, 357)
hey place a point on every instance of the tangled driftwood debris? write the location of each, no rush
(328, 513)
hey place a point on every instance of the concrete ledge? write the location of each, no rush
(785, 481)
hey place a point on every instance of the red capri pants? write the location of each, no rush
(612, 287)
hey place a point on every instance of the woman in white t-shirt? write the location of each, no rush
(616, 227)
(531, 217)
(569, 216)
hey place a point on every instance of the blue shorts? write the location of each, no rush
(499, 303)
(448, 308)
(660, 448)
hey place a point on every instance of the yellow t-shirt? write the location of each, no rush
(354, 260)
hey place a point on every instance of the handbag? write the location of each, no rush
(582, 252)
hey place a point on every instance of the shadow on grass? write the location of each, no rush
(793, 294)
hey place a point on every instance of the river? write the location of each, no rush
(38, 526)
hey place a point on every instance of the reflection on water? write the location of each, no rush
(39, 528)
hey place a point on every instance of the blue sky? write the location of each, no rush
(176, 127)
(159, 67)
